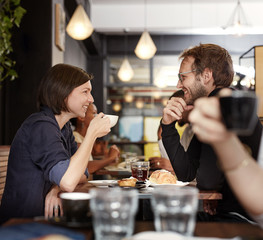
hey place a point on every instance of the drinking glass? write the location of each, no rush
(140, 170)
(113, 212)
(129, 158)
(175, 209)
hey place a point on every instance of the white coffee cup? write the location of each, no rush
(76, 206)
(113, 119)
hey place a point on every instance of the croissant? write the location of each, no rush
(127, 182)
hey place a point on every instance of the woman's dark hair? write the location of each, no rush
(179, 93)
(58, 83)
(216, 59)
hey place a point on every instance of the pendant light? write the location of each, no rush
(145, 48)
(116, 106)
(79, 26)
(237, 21)
(125, 72)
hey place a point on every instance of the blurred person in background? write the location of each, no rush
(110, 156)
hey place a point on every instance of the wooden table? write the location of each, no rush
(145, 212)
(219, 230)
(203, 195)
(114, 173)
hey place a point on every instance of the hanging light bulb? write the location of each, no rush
(116, 107)
(237, 22)
(79, 26)
(125, 72)
(145, 48)
(128, 98)
(139, 103)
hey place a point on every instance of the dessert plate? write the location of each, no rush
(103, 183)
(178, 183)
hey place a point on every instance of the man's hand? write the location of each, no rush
(210, 206)
(174, 110)
(161, 163)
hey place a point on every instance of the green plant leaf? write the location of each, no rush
(18, 14)
(16, 2)
(11, 14)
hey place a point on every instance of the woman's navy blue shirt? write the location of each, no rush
(39, 145)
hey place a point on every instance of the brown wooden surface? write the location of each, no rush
(258, 78)
(4, 153)
(203, 229)
(115, 173)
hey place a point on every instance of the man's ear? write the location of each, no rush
(207, 76)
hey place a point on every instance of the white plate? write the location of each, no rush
(172, 236)
(99, 183)
(114, 168)
(178, 183)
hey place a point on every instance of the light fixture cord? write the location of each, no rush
(238, 11)
(125, 43)
(145, 15)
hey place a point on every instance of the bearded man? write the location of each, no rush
(204, 70)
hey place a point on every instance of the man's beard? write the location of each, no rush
(196, 92)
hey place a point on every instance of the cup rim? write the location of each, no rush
(141, 162)
(114, 192)
(240, 93)
(111, 115)
(75, 196)
(167, 190)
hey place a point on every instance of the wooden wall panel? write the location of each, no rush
(259, 77)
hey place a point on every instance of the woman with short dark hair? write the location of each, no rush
(44, 152)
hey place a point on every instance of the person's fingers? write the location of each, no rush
(208, 107)
(47, 206)
(174, 113)
(56, 209)
(225, 92)
(189, 107)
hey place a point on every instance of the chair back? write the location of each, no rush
(4, 153)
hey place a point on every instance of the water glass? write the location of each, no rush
(175, 209)
(129, 160)
(113, 212)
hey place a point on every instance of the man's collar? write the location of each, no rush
(214, 92)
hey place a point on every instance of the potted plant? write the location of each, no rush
(11, 14)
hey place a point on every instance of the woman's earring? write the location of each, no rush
(82, 124)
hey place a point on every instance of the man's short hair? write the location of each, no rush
(214, 57)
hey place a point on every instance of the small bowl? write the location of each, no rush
(113, 119)
(76, 206)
